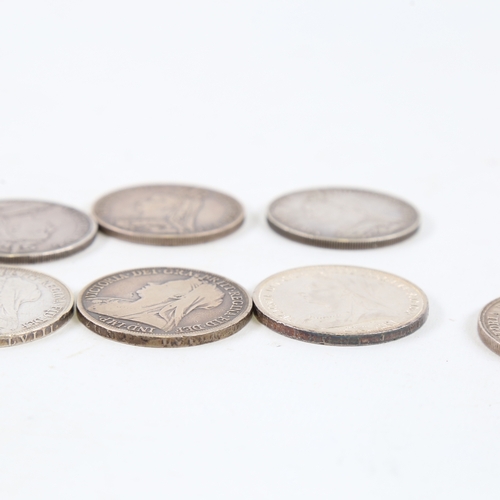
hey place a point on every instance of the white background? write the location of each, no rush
(256, 99)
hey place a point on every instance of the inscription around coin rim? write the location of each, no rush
(141, 333)
(51, 319)
(489, 325)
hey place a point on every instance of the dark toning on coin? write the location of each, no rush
(340, 305)
(168, 214)
(164, 307)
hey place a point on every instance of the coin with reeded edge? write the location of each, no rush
(343, 218)
(32, 305)
(168, 214)
(164, 307)
(340, 305)
(37, 231)
(489, 325)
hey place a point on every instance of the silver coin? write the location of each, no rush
(489, 325)
(343, 218)
(36, 231)
(340, 305)
(32, 305)
(164, 307)
(168, 214)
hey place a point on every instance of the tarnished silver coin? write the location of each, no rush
(343, 218)
(168, 214)
(32, 305)
(36, 231)
(164, 307)
(489, 325)
(340, 305)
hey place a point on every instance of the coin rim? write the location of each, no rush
(152, 340)
(316, 337)
(168, 239)
(342, 243)
(50, 327)
(488, 339)
(66, 251)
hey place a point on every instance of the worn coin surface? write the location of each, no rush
(36, 231)
(32, 305)
(343, 218)
(164, 307)
(340, 305)
(489, 325)
(168, 214)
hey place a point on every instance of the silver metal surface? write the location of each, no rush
(340, 305)
(343, 218)
(32, 305)
(164, 307)
(36, 231)
(489, 325)
(168, 214)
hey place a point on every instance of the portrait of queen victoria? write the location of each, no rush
(350, 301)
(14, 292)
(162, 305)
(23, 227)
(175, 213)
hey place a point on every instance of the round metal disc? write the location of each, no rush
(343, 218)
(340, 305)
(32, 305)
(164, 307)
(36, 231)
(168, 215)
(489, 325)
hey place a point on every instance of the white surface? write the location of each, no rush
(258, 99)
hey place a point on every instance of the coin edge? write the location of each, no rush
(320, 338)
(63, 318)
(169, 240)
(152, 341)
(343, 243)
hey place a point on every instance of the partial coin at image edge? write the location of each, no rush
(33, 305)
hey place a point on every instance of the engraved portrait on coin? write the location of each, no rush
(340, 305)
(32, 305)
(168, 214)
(345, 301)
(343, 218)
(36, 231)
(164, 307)
(14, 292)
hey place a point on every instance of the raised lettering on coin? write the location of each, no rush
(164, 307)
(32, 305)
